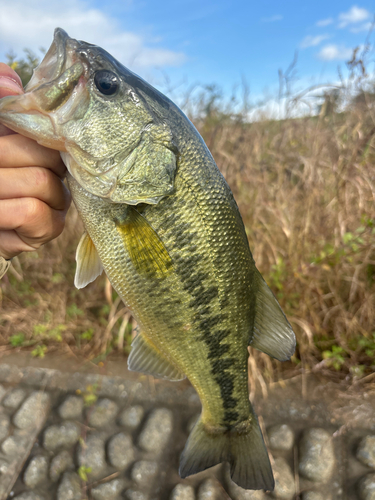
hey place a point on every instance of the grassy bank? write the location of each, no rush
(306, 190)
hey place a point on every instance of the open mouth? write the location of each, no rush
(52, 96)
(53, 62)
(57, 75)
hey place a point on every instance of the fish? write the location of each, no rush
(163, 224)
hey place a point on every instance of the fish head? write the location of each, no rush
(108, 123)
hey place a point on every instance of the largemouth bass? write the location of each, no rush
(163, 224)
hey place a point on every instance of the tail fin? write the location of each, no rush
(243, 447)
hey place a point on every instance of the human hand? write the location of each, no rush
(33, 198)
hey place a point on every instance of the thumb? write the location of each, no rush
(10, 84)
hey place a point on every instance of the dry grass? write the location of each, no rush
(306, 191)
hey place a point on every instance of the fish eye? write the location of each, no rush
(106, 82)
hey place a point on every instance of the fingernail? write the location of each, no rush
(10, 84)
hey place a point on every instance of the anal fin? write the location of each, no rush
(146, 358)
(89, 265)
(272, 333)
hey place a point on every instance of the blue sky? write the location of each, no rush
(195, 41)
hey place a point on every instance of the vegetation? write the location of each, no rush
(24, 66)
(305, 187)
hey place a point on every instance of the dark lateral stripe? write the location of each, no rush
(191, 269)
(210, 322)
(231, 416)
(205, 297)
(222, 364)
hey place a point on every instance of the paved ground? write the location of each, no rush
(68, 435)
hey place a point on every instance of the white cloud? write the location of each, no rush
(39, 18)
(272, 19)
(354, 15)
(335, 53)
(313, 41)
(361, 27)
(325, 22)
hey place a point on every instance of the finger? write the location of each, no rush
(20, 151)
(12, 245)
(5, 131)
(34, 182)
(7, 71)
(33, 220)
(10, 82)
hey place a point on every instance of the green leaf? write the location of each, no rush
(347, 237)
(83, 471)
(57, 278)
(40, 329)
(39, 351)
(17, 339)
(335, 357)
(105, 310)
(74, 310)
(88, 334)
(90, 399)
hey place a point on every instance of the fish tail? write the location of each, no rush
(242, 446)
(250, 465)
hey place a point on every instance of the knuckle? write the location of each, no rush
(33, 210)
(46, 223)
(42, 178)
(36, 215)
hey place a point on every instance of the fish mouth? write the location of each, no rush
(56, 89)
(53, 62)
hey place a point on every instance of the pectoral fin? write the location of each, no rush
(89, 265)
(146, 358)
(272, 332)
(147, 252)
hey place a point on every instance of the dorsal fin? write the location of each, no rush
(89, 265)
(146, 358)
(146, 250)
(272, 333)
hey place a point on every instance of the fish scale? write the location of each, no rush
(213, 326)
(163, 224)
(165, 323)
